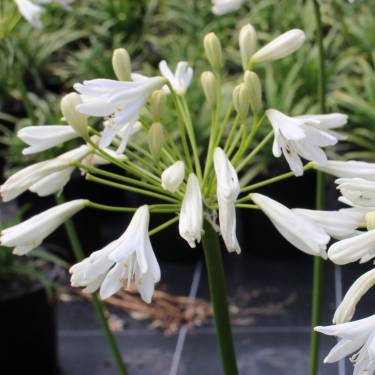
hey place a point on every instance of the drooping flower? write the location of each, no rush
(31, 233)
(173, 176)
(357, 191)
(129, 257)
(348, 169)
(31, 12)
(181, 78)
(118, 100)
(228, 188)
(345, 312)
(43, 178)
(282, 46)
(44, 137)
(220, 7)
(299, 137)
(191, 215)
(302, 233)
(337, 224)
(354, 336)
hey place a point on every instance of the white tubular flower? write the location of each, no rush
(31, 12)
(302, 233)
(295, 137)
(43, 137)
(360, 247)
(180, 80)
(31, 233)
(191, 215)
(280, 47)
(173, 176)
(357, 191)
(354, 336)
(220, 7)
(228, 188)
(248, 43)
(345, 312)
(121, 101)
(348, 169)
(129, 257)
(337, 224)
(44, 178)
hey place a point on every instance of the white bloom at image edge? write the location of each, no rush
(191, 215)
(357, 191)
(31, 12)
(43, 137)
(228, 188)
(302, 233)
(173, 176)
(348, 169)
(31, 233)
(297, 137)
(180, 80)
(129, 257)
(220, 7)
(357, 336)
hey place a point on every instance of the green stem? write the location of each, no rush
(216, 281)
(163, 226)
(157, 208)
(99, 310)
(320, 199)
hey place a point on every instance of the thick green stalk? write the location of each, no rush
(99, 310)
(216, 281)
(320, 199)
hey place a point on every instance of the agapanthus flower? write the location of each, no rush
(180, 79)
(348, 169)
(173, 176)
(220, 7)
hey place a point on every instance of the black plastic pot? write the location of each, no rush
(28, 333)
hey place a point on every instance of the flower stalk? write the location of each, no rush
(218, 292)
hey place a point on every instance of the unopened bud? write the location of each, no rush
(248, 44)
(121, 64)
(156, 139)
(212, 48)
(158, 102)
(173, 176)
(282, 46)
(241, 100)
(252, 82)
(370, 220)
(209, 85)
(75, 119)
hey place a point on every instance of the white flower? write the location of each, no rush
(295, 137)
(248, 42)
(280, 47)
(121, 101)
(191, 215)
(360, 247)
(304, 234)
(31, 233)
(31, 12)
(357, 191)
(181, 79)
(354, 336)
(129, 257)
(346, 309)
(44, 137)
(43, 178)
(337, 224)
(220, 7)
(348, 169)
(228, 188)
(173, 176)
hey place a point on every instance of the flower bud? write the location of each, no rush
(156, 139)
(121, 64)
(241, 100)
(247, 42)
(75, 119)
(370, 220)
(173, 176)
(252, 83)
(209, 85)
(282, 46)
(158, 102)
(212, 48)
